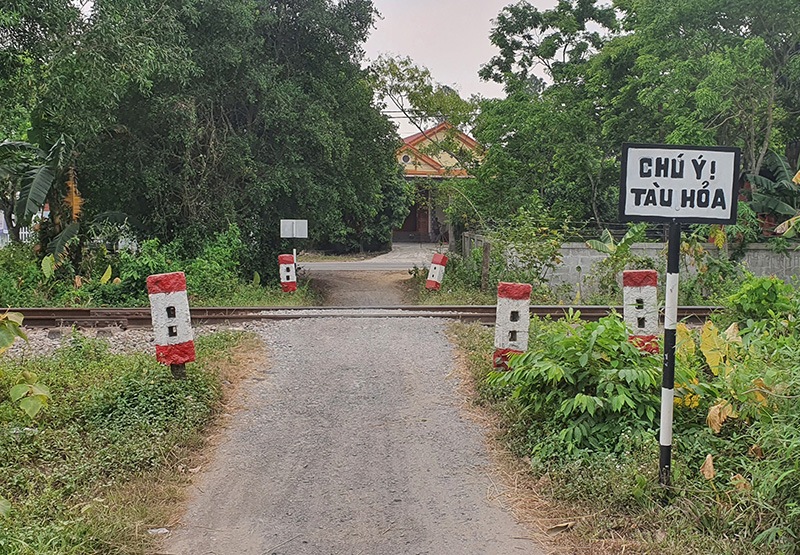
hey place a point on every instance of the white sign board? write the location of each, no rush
(684, 183)
(294, 229)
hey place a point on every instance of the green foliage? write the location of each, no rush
(30, 395)
(761, 298)
(10, 329)
(525, 250)
(119, 279)
(584, 387)
(735, 399)
(696, 72)
(117, 417)
(606, 273)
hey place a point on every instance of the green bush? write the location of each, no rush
(584, 387)
(759, 296)
(213, 277)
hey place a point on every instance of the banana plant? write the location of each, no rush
(607, 245)
(27, 174)
(775, 191)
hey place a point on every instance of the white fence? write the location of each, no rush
(25, 235)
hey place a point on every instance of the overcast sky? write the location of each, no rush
(449, 37)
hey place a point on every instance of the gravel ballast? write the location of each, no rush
(352, 442)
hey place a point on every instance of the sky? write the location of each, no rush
(449, 37)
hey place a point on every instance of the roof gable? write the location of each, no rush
(416, 162)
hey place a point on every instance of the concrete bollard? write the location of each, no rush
(640, 308)
(436, 273)
(288, 272)
(172, 322)
(511, 321)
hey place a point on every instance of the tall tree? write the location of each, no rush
(191, 115)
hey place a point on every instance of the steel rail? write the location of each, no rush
(139, 317)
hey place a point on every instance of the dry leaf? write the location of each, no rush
(707, 470)
(116, 281)
(757, 452)
(195, 470)
(73, 199)
(718, 414)
(740, 483)
(732, 334)
(78, 282)
(558, 528)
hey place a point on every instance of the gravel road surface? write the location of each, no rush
(352, 442)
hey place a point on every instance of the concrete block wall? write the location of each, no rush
(578, 261)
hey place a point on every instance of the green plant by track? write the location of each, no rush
(213, 277)
(564, 407)
(83, 475)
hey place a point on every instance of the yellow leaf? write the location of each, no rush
(796, 178)
(707, 470)
(685, 343)
(106, 276)
(718, 414)
(713, 347)
(760, 397)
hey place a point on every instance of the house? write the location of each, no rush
(429, 158)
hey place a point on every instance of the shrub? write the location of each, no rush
(760, 296)
(584, 387)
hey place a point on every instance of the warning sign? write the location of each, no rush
(685, 183)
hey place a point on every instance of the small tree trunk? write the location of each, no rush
(487, 251)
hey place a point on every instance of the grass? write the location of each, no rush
(612, 502)
(108, 458)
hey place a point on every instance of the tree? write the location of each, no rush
(189, 116)
(424, 102)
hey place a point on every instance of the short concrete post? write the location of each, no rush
(640, 308)
(512, 321)
(172, 321)
(436, 273)
(288, 272)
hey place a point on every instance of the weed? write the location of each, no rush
(113, 420)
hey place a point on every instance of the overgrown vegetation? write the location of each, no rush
(99, 277)
(582, 406)
(97, 466)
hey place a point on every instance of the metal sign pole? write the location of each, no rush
(668, 380)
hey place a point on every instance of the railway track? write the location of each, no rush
(140, 317)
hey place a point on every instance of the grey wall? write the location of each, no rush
(759, 259)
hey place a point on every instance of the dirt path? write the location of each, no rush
(347, 288)
(353, 443)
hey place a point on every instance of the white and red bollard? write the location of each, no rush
(640, 308)
(436, 273)
(172, 322)
(288, 272)
(512, 321)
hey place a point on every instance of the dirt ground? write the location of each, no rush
(353, 441)
(362, 288)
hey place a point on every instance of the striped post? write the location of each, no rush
(668, 383)
(640, 308)
(288, 272)
(512, 321)
(436, 273)
(172, 322)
